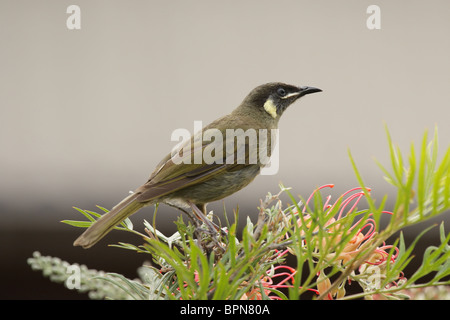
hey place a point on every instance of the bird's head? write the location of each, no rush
(272, 99)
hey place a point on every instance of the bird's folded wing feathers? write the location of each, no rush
(170, 176)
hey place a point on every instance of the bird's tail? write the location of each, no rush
(108, 221)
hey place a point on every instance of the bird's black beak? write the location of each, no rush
(307, 90)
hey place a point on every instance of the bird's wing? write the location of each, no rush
(172, 175)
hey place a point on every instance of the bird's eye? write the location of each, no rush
(281, 92)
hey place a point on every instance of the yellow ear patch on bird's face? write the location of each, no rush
(271, 108)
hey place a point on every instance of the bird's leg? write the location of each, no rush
(213, 229)
(201, 215)
(198, 217)
(191, 216)
(200, 211)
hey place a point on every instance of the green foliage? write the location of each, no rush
(332, 243)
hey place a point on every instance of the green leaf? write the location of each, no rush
(129, 246)
(132, 288)
(88, 214)
(221, 283)
(80, 224)
(102, 208)
(127, 224)
(405, 256)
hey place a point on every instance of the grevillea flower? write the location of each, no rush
(373, 267)
(351, 244)
(279, 277)
(347, 205)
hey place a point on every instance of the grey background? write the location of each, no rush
(85, 115)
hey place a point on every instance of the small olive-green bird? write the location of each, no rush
(182, 182)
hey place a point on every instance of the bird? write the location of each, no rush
(182, 183)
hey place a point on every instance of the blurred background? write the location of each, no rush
(85, 115)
